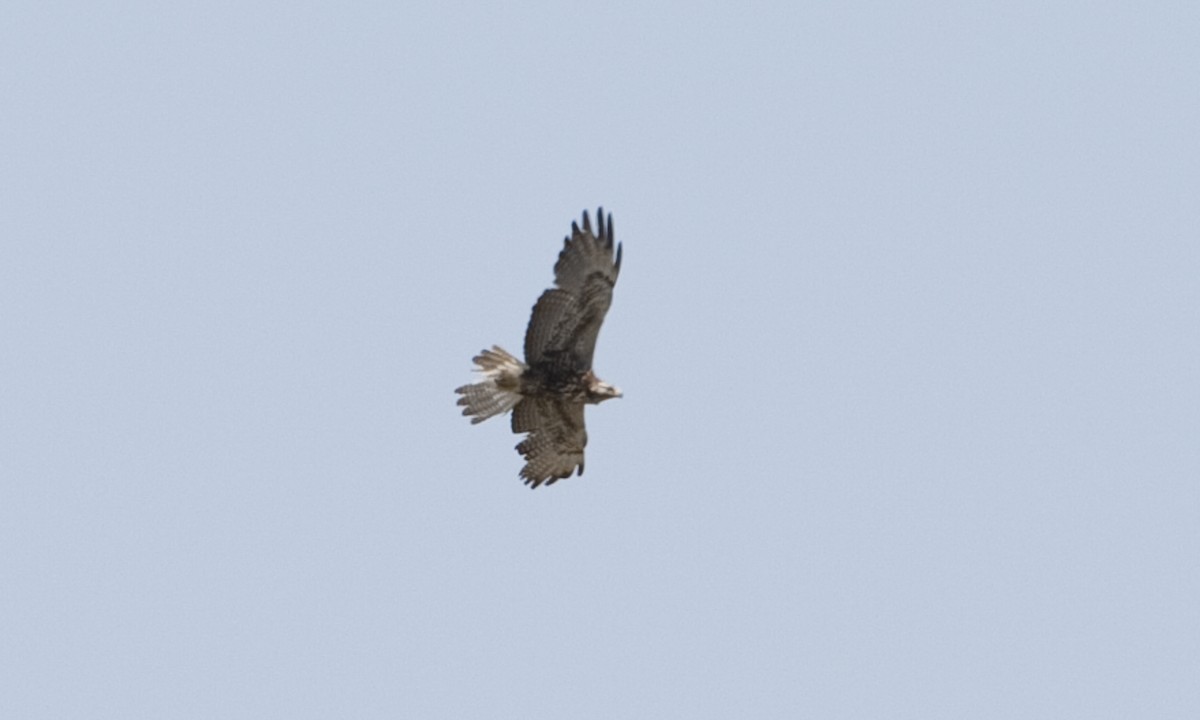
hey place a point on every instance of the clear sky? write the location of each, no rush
(908, 328)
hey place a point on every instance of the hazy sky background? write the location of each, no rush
(908, 329)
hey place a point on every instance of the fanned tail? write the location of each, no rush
(498, 392)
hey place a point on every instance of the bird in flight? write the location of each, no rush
(547, 392)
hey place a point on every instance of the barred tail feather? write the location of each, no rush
(498, 392)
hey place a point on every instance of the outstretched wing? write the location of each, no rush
(566, 319)
(554, 448)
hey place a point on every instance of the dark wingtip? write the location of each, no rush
(617, 264)
(610, 232)
(587, 222)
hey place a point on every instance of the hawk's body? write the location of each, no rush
(547, 392)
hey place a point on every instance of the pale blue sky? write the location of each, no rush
(908, 329)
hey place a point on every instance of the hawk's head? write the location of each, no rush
(597, 390)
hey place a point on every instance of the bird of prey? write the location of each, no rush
(547, 392)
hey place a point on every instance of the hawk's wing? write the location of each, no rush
(554, 447)
(566, 319)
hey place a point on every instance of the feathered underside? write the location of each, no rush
(560, 343)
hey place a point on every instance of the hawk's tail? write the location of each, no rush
(500, 389)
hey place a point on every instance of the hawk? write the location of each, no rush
(547, 392)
